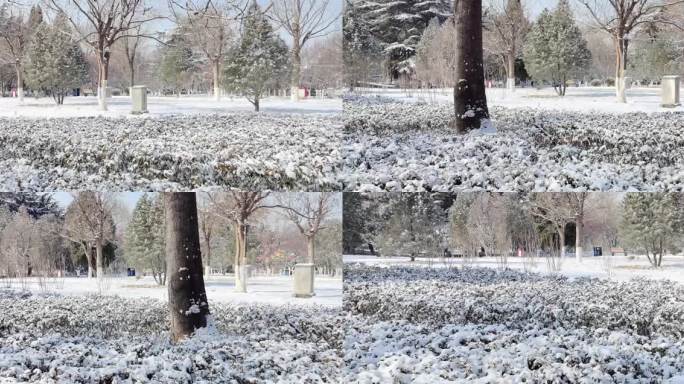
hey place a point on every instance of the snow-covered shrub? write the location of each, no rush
(239, 150)
(398, 146)
(50, 338)
(415, 324)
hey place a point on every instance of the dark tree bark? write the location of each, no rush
(470, 101)
(188, 304)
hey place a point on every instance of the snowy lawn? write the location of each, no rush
(479, 325)
(578, 99)
(260, 289)
(120, 106)
(241, 150)
(618, 268)
(393, 145)
(103, 339)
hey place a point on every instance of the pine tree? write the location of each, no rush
(36, 204)
(399, 25)
(54, 61)
(653, 222)
(259, 61)
(145, 238)
(360, 48)
(556, 50)
(178, 61)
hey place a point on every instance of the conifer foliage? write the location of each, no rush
(54, 61)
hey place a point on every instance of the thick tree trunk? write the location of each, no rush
(470, 100)
(98, 259)
(510, 70)
(256, 104)
(216, 69)
(20, 84)
(561, 240)
(296, 68)
(91, 261)
(188, 306)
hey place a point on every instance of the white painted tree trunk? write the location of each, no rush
(217, 80)
(99, 262)
(510, 84)
(102, 95)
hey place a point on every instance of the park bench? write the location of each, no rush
(614, 251)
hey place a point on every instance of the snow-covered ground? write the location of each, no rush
(239, 150)
(394, 145)
(579, 99)
(108, 339)
(273, 290)
(480, 325)
(619, 268)
(120, 106)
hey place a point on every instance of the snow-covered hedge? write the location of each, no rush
(409, 146)
(243, 150)
(480, 325)
(111, 339)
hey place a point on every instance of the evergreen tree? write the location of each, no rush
(145, 238)
(36, 204)
(399, 25)
(177, 63)
(54, 61)
(654, 223)
(361, 50)
(555, 49)
(259, 61)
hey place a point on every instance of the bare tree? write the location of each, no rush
(488, 224)
(15, 37)
(303, 20)
(207, 227)
(131, 45)
(188, 305)
(102, 23)
(239, 208)
(470, 100)
(553, 209)
(209, 26)
(576, 203)
(622, 18)
(89, 222)
(506, 27)
(308, 211)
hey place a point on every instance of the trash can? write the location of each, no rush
(139, 98)
(598, 251)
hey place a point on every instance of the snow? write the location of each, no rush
(480, 325)
(120, 106)
(577, 99)
(63, 339)
(397, 146)
(273, 290)
(617, 268)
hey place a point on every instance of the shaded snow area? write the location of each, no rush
(99, 339)
(399, 146)
(425, 325)
(242, 150)
(274, 290)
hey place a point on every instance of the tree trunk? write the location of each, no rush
(216, 69)
(510, 70)
(620, 65)
(256, 104)
(310, 249)
(102, 86)
(561, 235)
(579, 234)
(470, 100)
(188, 306)
(98, 257)
(240, 258)
(91, 261)
(20, 83)
(296, 67)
